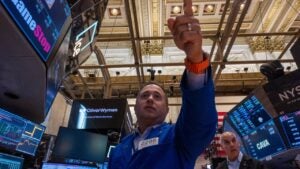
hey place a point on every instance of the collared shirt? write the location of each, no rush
(236, 163)
(195, 81)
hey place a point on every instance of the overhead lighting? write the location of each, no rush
(195, 8)
(176, 9)
(209, 8)
(242, 6)
(114, 11)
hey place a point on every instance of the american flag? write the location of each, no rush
(220, 152)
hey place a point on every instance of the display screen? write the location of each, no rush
(264, 141)
(10, 162)
(41, 21)
(82, 145)
(65, 166)
(104, 165)
(98, 113)
(248, 115)
(17, 133)
(291, 126)
(56, 71)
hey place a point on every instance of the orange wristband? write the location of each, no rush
(196, 68)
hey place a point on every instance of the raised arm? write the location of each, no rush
(196, 125)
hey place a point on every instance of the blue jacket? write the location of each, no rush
(179, 145)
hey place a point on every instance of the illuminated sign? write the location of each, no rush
(81, 34)
(41, 21)
(80, 40)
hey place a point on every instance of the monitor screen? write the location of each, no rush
(103, 165)
(10, 161)
(79, 144)
(291, 127)
(98, 113)
(65, 166)
(56, 71)
(41, 21)
(248, 115)
(17, 133)
(264, 142)
(110, 148)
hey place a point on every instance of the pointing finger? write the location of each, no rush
(187, 5)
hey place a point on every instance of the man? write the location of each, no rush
(235, 158)
(158, 145)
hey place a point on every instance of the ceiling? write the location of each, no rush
(134, 46)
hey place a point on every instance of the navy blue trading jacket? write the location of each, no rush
(180, 144)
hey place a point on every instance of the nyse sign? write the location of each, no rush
(284, 92)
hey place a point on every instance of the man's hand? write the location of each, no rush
(187, 33)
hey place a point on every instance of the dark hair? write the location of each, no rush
(157, 84)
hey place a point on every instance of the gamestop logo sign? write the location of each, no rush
(34, 21)
(32, 25)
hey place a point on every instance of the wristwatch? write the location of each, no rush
(197, 68)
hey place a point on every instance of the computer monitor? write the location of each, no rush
(19, 134)
(79, 144)
(103, 165)
(248, 115)
(10, 161)
(66, 166)
(98, 114)
(264, 142)
(291, 126)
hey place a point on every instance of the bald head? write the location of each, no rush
(226, 135)
(231, 145)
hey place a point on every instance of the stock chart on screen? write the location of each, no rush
(17, 133)
(291, 126)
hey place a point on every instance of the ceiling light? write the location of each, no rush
(209, 8)
(195, 8)
(176, 9)
(242, 7)
(114, 12)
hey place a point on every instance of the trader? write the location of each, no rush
(159, 145)
(235, 158)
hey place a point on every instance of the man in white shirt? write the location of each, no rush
(235, 158)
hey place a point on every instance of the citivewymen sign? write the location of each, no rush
(33, 18)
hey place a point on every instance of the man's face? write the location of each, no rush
(231, 145)
(151, 107)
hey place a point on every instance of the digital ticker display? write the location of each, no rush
(40, 20)
(264, 141)
(64, 166)
(248, 115)
(10, 162)
(17, 133)
(291, 126)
